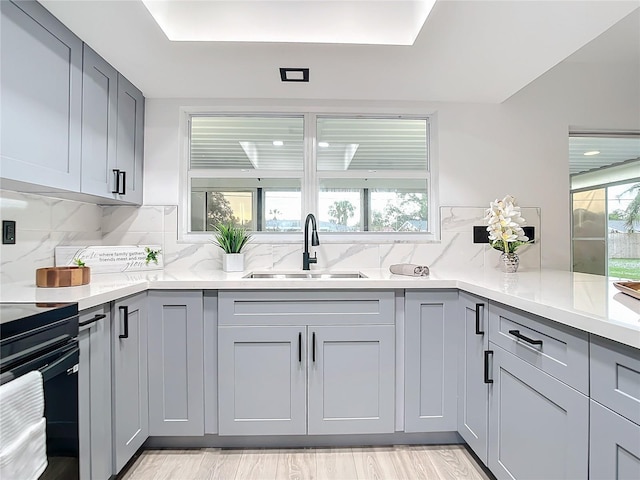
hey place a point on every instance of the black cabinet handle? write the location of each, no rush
(117, 180)
(313, 346)
(300, 347)
(123, 190)
(93, 320)
(517, 334)
(486, 366)
(126, 321)
(478, 306)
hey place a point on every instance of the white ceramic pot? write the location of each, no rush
(233, 262)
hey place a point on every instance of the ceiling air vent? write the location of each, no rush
(294, 74)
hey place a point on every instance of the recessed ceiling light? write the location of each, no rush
(592, 152)
(323, 144)
(294, 74)
(278, 143)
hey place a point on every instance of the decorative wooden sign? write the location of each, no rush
(112, 259)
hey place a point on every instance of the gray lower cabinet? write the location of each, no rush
(266, 371)
(351, 379)
(615, 377)
(431, 361)
(130, 381)
(615, 446)
(473, 389)
(41, 92)
(94, 387)
(262, 380)
(210, 337)
(306, 362)
(539, 426)
(176, 363)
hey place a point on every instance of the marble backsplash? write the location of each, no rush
(44, 223)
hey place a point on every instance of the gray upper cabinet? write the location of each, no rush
(615, 446)
(130, 138)
(94, 387)
(99, 125)
(351, 379)
(130, 381)
(176, 363)
(431, 361)
(473, 389)
(41, 90)
(539, 426)
(71, 124)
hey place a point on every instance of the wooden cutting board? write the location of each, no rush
(62, 276)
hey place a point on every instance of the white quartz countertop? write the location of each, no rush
(587, 302)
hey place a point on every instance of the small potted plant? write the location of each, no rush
(231, 240)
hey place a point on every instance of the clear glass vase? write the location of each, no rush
(510, 262)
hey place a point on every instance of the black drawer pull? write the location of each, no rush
(300, 347)
(517, 334)
(478, 306)
(313, 346)
(486, 366)
(117, 180)
(123, 191)
(93, 320)
(126, 322)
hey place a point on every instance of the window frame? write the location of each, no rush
(310, 176)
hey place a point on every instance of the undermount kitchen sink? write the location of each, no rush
(293, 275)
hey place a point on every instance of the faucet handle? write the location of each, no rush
(314, 259)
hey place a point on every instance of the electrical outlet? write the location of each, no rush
(8, 232)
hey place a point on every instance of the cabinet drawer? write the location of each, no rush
(615, 377)
(561, 351)
(301, 307)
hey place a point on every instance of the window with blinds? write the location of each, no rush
(362, 174)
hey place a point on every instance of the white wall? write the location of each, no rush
(485, 151)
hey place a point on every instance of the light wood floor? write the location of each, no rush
(379, 463)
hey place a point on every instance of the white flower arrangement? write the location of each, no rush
(505, 225)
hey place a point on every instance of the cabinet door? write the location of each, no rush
(176, 379)
(538, 427)
(261, 380)
(94, 386)
(130, 385)
(431, 361)
(473, 392)
(129, 142)
(41, 97)
(615, 446)
(99, 123)
(351, 379)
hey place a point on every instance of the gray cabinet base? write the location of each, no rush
(302, 441)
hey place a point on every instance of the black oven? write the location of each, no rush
(43, 336)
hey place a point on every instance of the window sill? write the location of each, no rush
(327, 238)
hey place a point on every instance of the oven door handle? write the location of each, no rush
(19, 358)
(67, 363)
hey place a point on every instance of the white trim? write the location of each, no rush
(325, 238)
(310, 175)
